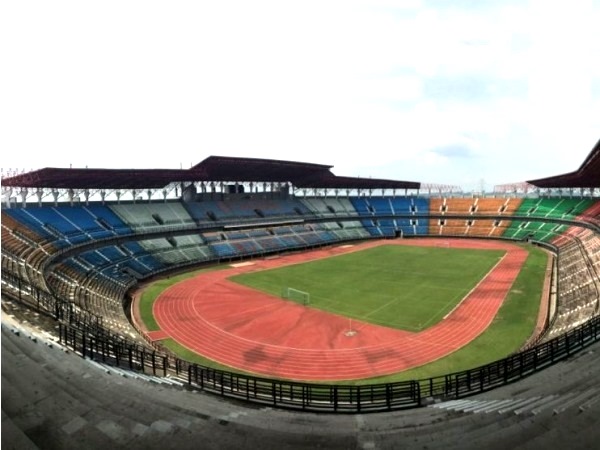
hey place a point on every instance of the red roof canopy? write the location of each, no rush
(213, 168)
(587, 176)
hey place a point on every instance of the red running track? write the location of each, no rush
(249, 330)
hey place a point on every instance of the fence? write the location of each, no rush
(326, 397)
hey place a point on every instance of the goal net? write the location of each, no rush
(296, 295)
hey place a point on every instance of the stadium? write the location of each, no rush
(230, 302)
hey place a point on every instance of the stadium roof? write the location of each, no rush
(95, 178)
(223, 168)
(587, 176)
(212, 169)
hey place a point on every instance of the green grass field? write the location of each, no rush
(512, 326)
(404, 287)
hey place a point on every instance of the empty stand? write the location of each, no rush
(96, 279)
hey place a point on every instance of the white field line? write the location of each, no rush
(476, 286)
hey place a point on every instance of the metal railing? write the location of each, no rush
(332, 397)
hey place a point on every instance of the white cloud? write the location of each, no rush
(150, 84)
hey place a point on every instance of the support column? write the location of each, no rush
(23, 197)
(9, 192)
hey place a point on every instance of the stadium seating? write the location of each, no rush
(476, 224)
(219, 210)
(29, 218)
(447, 225)
(579, 270)
(152, 216)
(592, 214)
(97, 279)
(372, 208)
(545, 208)
(327, 207)
(379, 218)
(64, 226)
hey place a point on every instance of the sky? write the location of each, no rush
(471, 93)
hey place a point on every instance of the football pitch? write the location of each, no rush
(404, 287)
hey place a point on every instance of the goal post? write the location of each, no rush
(296, 295)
